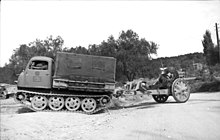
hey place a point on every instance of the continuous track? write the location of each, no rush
(27, 101)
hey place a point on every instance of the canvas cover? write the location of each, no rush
(78, 67)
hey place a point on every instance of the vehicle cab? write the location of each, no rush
(37, 74)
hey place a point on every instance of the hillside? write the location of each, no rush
(184, 62)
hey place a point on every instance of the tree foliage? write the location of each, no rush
(131, 52)
(22, 55)
(7, 75)
(210, 51)
(47, 47)
(133, 55)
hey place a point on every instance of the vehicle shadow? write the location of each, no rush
(204, 100)
(141, 105)
(145, 104)
(199, 101)
(24, 110)
(117, 107)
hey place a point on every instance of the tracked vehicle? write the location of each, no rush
(73, 83)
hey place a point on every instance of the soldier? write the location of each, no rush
(168, 75)
(39, 66)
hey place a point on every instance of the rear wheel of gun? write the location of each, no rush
(160, 98)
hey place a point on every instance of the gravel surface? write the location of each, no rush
(199, 119)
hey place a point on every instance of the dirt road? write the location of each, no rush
(199, 118)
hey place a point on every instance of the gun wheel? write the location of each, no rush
(88, 105)
(56, 103)
(180, 91)
(160, 98)
(39, 102)
(72, 103)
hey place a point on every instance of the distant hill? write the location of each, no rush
(184, 62)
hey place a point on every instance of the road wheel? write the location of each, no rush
(56, 103)
(72, 103)
(105, 100)
(88, 105)
(180, 90)
(160, 98)
(39, 102)
(20, 96)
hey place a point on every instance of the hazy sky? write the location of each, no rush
(177, 26)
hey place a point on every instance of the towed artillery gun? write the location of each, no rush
(168, 84)
(74, 83)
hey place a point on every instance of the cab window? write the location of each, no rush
(38, 65)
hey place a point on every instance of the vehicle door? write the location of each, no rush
(38, 74)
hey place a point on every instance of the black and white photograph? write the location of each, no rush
(109, 70)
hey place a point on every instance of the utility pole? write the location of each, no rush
(216, 28)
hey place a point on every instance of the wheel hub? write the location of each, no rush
(56, 103)
(21, 96)
(72, 103)
(39, 102)
(88, 105)
(104, 100)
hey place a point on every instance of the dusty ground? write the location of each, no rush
(199, 118)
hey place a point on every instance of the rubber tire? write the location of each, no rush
(160, 98)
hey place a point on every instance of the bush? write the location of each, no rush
(210, 87)
(195, 85)
(216, 70)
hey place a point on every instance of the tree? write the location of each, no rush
(132, 53)
(94, 50)
(210, 52)
(79, 50)
(25, 52)
(108, 48)
(7, 75)
(48, 47)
